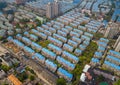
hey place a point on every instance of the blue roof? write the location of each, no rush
(72, 42)
(101, 48)
(18, 35)
(112, 65)
(92, 30)
(25, 39)
(98, 54)
(36, 45)
(33, 36)
(68, 46)
(105, 22)
(113, 58)
(85, 37)
(78, 31)
(40, 34)
(65, 73)
(54, 47)
(104, 40)
(82, 46)
(41, 57)
(86, 42)
(34, 31)
(60, 37)
(88, 34)
(55, 40)
(76, 39)
(10, 38)
(117, 4)
(28, 49)
(26, 33)
(76, 1)
(40, 29)
(102, 43)
(71, 56)
(52, 54)
(20, 44)
(114, 52)
(78, 51)
(65, 62)
(61, 32)
(50, 63)
(75, 34)
(95, 60)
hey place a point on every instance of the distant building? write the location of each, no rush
(112, 30)
(52, 10)
(20, 1)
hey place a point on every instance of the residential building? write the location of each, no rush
(112, 30)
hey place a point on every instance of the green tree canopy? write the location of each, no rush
(117, 83)
(61, 81)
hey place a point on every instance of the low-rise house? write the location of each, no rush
(64, 74)
(49, 54)
(68, 48)
(72, 43)
(39, 57)
(68, 65)
(51, 65)
(77, 52)
(55, 49)
(71, 57)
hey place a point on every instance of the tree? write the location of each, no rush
(61, 81)
(117, 83)
(22, 76)
(31, 77)
(5, 68)
(1, 37)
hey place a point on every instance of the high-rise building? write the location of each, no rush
(112, 30)
(118, 47)
(49, 10)
(52, 9)
(117, 44)
(56, 8)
